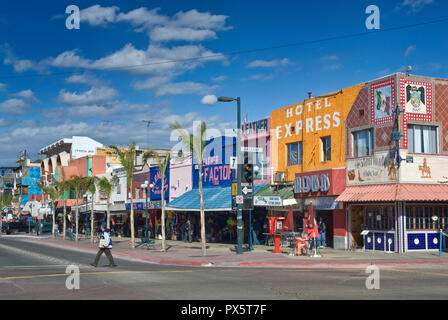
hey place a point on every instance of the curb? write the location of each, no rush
(131, 256)
(294, 265)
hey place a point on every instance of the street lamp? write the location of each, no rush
(145, 186)
(239, 217)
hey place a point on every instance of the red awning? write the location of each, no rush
(395, 192)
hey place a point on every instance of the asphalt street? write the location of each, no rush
(36, 271)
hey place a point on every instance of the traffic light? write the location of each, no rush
(248, 173)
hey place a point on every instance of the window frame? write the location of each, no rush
(411, 138)
(370, 147)
(324, 148)
(299, 154)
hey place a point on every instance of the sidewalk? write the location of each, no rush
(224, 255)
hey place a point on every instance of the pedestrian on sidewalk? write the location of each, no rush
(322, 241)
(188, 230)
(105, 246)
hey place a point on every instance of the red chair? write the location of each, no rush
(301, 246)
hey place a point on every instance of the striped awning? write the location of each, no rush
(395, 192)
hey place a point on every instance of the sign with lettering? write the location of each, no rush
(379, 168)
(255, 127)
(268, 201)
(313, 183)
(156, 180)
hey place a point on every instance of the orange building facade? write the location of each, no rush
(308, 140)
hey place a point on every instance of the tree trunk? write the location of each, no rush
(108, 211)
(92, 217)
(163, 214)
(201, 199)
(64, 228)
(53, 219)
(76, 220)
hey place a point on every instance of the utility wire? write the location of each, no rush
(296, 44)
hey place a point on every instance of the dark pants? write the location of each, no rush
(108, 255)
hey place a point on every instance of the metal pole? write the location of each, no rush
(240, 169)
(250, 230)
(440, 243)
(147, 210)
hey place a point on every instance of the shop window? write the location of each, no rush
(380, 218)
(118, 188)
(363, 143)
(326, 148)
(422, 139)
(426, 217)
(294, 153)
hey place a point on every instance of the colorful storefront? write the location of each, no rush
(396, 164)
(309, 143)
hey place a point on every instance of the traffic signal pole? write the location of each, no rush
(239, 217)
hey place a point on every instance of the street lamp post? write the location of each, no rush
(145, 186)
(239, 217)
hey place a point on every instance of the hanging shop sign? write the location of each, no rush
(263, 201)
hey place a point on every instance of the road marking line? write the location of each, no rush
(89, 273)
(416, 271)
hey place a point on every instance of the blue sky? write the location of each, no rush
(52, 84)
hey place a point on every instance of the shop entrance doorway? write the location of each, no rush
(356, 215)
(328, 220)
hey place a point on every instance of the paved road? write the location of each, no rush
(35, 271)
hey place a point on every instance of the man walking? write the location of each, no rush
(105, 246)
(322, 241)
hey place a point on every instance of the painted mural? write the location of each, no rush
(416, 101)
(424, 169)
(156, 180)
(382, 101)
(371, 170)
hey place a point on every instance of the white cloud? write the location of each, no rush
(68, 59)
(415, 6)
(260, 77)
(2, 86)
(209, 99)
(268, 64)
(332, 67)
(84, 78)
(180, 34)
(92, 96)
(14, 106)
(330, 58)
(98, 16)
(409, 50)
(219, 79)
(142, 17)
(27, 95)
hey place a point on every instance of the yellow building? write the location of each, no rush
(308, 150)
(299, 133)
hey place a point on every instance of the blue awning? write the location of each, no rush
(215, 199)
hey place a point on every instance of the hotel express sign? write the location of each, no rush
(313, 183)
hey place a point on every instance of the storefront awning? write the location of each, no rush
(215, 199)
(395, 192)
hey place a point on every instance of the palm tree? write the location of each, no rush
(64, 187)
(127, 160)
(53, 193)
(197, 144)
(106, 186)
(91, 188)
(163, 164)
(78, 185)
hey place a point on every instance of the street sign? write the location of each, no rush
(234, 188)
(239, 200)
(233, 163)
(29, 219)
(247, 190)
(251, 149)
(274, 201)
